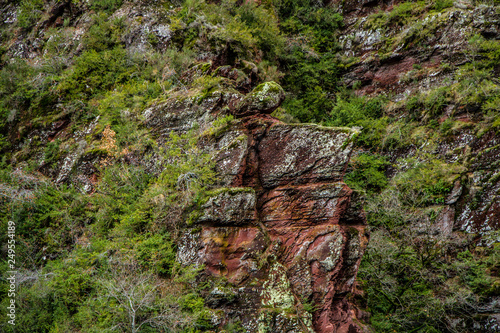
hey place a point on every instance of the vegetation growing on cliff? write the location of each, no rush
(77, 88)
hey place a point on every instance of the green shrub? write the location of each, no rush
(95, 72)
(121, 108)
(219, 126)
(25, 91)
(446, 126)
(400, 15)
(352, 110)
(367, 173)
(52, 152)
(108, 6)
(404, 277)
(117, 197)
(311, 19)
(30, 11)
(263, 26)
(157, 253)
(192, 302)
(104, 34)
(427, 183)
(309, 79)
(439, 5)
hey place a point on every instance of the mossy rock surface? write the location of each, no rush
(265, 98)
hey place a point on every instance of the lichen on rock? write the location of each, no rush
(279, 229)
(265, 98)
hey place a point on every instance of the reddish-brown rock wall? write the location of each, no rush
(285, 232)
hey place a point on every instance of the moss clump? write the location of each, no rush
(368, 173)
(219, 126)
(265, 98)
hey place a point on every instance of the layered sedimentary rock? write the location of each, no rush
(284, 232)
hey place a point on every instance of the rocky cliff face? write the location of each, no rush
(403, 51)
(279, 237)
(424, 59)
(284, 230)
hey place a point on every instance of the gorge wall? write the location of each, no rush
(286, 231)
(152, 134)
(282, 228)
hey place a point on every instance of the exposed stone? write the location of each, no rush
(232, 150)
(293, 237)
(295, 206)
(265, 98)
(302, 154)
(220, 296)
(234, 206)
(178, 114)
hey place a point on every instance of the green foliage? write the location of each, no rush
(427, 183)
(219, 126)
(367, 173)
(439, 5)
(117, 198)
(375, 134)
(243, 29)
(180, 60)
(121, 108)
(234, 327)
(30, 11)
(486, 52)
(237, 36)
(136, 211)
(192, 302)
(104, 34)
(400, 15)
(157, 253)
(475, 270)
(431, 103)
(108, 6)
(311, 19)
(53, 294)
(412, 287)
(263, 26)
(25, 91)
(353, 110)
(310, 79)
(52, 152)
(58, 44)
(95, 71)
(46, 216)
(209, 85)
(474, 87)
(446, 126)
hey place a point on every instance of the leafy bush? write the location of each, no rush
(310, 80)
(411, 286)
(353, 110)
(104, 34)
(367, 173)
(427, 183)
(400, 15)
(94, 72)
(105, 5)
(117, 197)
(311, 19)
(30, 11)
(439, 5)
(52, 152)
(157, 253)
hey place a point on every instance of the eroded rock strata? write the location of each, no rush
(284, 232)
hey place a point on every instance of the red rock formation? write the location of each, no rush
(285, 232)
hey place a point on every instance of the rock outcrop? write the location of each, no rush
(284, 231)
(420, 59)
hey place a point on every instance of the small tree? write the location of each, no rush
(145, 299)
